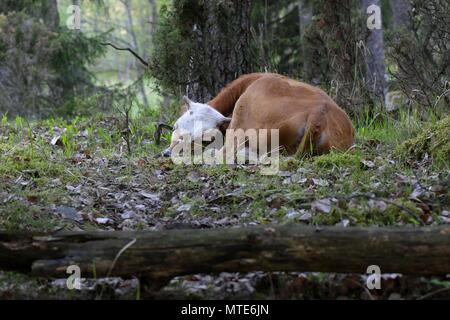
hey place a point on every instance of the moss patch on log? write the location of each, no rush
(434, 141)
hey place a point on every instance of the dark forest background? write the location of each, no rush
(79, 148)
(198, 46)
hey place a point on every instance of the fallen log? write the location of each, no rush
(291, 247)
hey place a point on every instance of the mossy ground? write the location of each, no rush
(433, 142)
(54, 167)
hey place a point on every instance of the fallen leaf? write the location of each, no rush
(141, 163)
(322, 205)
(87, 153)
(69, 213)
(320, 182)
(56, 141)
(222, 221)
(103, 220)
(445, 219)
(419, 194)
(276, 201)
(184, 207)
(33, 198)
(73, 189)
(298, 178)
(292, 214)
(368, 164)
(128, 214)
(306, 217)
(377, 204)
(439, 189)
(152, 196)
(345, 223)
(194, 176)
(395, 296)
(140, 207)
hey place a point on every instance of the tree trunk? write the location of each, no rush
(50, 14)
(154, 16)
(304, 18)
(221, 40)
(401, 13)
(330, 52)
(47, 10)
(153, 23)
(376, 70)
(132, 34)
(162, 255)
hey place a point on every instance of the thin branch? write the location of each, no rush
(159, 128)
(369, 196)
(433, 293)
(145, 63)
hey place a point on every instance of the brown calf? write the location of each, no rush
(308, 119)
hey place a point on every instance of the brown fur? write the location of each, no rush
(225, 101)
(308, 119)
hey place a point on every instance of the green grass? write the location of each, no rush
(34, 176)
(242, 192)
(339, 160)
(16, 215)
(391, 128)
(433, 140)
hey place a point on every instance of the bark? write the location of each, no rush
(154, 16)
(50, 14)
(153, 22)
(401, 13)
(330, 53)
(162, 255)
(304, 19)
(134, 42)
(221, 37)
(376, 70)
(47, 10)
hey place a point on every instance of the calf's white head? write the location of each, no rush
(198, 119)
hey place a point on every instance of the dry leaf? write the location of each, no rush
(322, 205)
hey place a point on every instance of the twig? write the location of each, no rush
(159, 128)
(363, 287)
(369, 196)
(145, 63)
(433, 293)
(128, 245)
(440, 97)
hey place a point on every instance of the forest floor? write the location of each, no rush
(80, 176)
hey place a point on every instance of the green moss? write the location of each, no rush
(365, 216)
(289, 163)
(38, 164)
(434, 141)
(337, 159)
(15, 215)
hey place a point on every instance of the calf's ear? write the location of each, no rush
(187, 101)
(224, 123)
